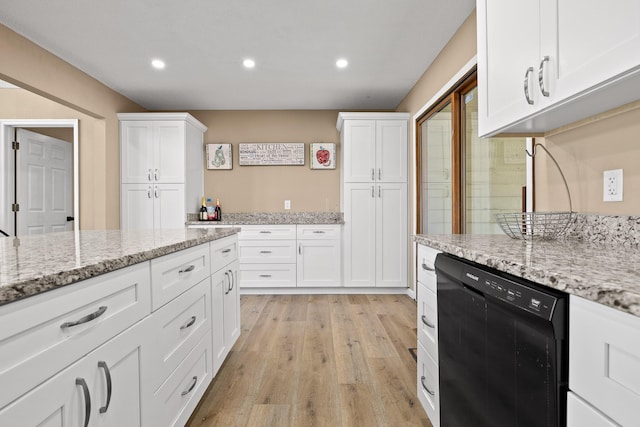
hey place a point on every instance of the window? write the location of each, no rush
(463, 179)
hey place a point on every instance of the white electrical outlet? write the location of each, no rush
(612, 191)
(287, 204)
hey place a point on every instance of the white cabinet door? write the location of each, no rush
(136, 152)
(80, 393)
(231, 306)
(359, 234)
(508, 52)
(391, 151)
(358, 142)
(169, 151)
(318, 263)
(169, 210)
(136, 207)
(391, 235)
(588, 44)
(219, 286)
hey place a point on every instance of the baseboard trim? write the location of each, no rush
(411, 293)
(323, 291)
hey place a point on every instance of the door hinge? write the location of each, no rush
(15, 207)
(15, 145)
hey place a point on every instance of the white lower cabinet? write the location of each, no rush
(581, 414)
(428, 389)
(319, 256)
(152, 206)
(101, 389)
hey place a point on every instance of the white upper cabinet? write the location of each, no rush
(543, 64)
(374, 146)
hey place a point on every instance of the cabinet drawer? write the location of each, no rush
(267, 275)
(428, 320)
(604, 359)
(223, 252)
(262, 251)
(38, 337)
(581, 414)
(428, 386)
(314, 232)
(253, 232)
(173, 274)
(173, 403)
(426, 270)
(176, 329)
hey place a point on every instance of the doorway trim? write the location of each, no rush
(6, 138)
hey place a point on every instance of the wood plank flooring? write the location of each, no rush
(318, 360)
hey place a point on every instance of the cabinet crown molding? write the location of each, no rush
(369, 116)
(164, 116)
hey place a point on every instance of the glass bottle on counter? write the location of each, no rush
(217, 211)
(203, 211)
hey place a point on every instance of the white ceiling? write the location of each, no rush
(295, 43)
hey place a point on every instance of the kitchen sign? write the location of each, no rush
(272, 154)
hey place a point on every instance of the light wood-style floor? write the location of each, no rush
(321, 360)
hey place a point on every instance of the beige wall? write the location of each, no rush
(584, 153)
(40, 72)
(265, 188)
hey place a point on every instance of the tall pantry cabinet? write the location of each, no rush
(161, 169)
(374, 198)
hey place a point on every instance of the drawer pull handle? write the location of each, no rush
(189, 323)
(87, 400)
(425, 387)
(88, 318)
(226, 251)
(541, 76)
(426, 322)
(233, 280)
(318, 231)
(266, 276)
(107, 374)
(265, 252)
(426, 267)
(265, 232)
(194, 381)
(188, 269)
(526, 85)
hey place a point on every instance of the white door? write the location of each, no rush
(136, 145)
(391, 235)
(359, 234)
(507, 48)
(169, 211)
(169, 151)
(584, 48)
(391, 150)
(45, 190)
(358, 145)
(136, 207)
(318, 263)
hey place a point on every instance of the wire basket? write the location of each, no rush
(529, 225)
(537, 225)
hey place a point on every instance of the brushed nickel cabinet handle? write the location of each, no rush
(379, 192)
(155, 191)
(425, 386)
(155, 174)
(226, 251)
(107, 375)
(194, 381)
(265, 232)
(373, 174)
(232, 280)
(379, 174)
(526, 85)
(226, 274)
(265, 252)
(266, 276)
(318, 231)
(187, 270)
(149, 175)
(189, 323)
(88, 318)
(426, 267)
(426, 322)
(149, 192)
(87, 400)
(541, 76)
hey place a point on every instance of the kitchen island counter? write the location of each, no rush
(603, 272)
(31, 265)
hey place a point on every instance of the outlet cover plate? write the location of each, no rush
(612, 186)
(287, 204)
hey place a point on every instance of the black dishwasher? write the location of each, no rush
(502, 348)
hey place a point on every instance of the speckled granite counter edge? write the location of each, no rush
(267, 218)
(50, 282)
(605, 294)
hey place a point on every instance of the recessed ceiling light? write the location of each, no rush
(158, 64)
(249, 63)
(342, 63)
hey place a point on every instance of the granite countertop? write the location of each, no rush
(604, 272)
(31, 265)
(267, 218)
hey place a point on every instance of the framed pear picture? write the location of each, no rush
(323, 155)
(219, 156)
